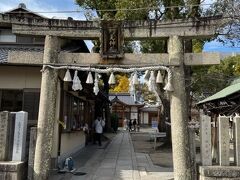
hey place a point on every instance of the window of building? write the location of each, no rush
(31, 98)
(20, 100)
(30, 39)
(7, 36)
(38, 40)
(73, 112)
(24, 39)
(11, 100)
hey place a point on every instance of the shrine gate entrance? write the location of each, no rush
(111, 35)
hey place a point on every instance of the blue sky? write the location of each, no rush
(215, 46)
(56, 5)
(45, 5)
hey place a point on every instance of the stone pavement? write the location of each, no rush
(118, 161)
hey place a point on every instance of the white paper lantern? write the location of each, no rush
(89, 78)
(67, 76)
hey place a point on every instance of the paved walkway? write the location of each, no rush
(119, 162)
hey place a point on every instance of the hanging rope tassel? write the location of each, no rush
(76, 82)
(95, 87)
(168, 87)
(111, 79)
(135, 79)
(131, 86)
(159, 78)
(151, 82)
(146, 75)
(89, 78)
(67, 76)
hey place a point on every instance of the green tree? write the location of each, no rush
(229, 30)
(122, 5)
(208, 80)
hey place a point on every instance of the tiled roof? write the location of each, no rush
(150, 109)
(124, 97)
(5, 49)
(235, 88)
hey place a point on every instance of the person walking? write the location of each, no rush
(138, 126)
(99, 124)
(134, 124)
(125, 123)
(130, 125)
(86, 132)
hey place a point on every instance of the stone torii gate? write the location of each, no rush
(174, 31)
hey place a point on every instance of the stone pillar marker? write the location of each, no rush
(205, 140)
(180, 138)
(20, 134)
(4, 133)
(193, 151)
(223, 132)
(237, 139)
(32, 145)
(47, 108)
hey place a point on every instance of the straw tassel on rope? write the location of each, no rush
(95, 87)
(89, 78)
(151, 80)
(67, 76)
(159, 78)
(76, 82)
(111, 79)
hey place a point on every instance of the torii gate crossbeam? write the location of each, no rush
(187, 28)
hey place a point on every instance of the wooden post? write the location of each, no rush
(178, 106)
(47, 110)
(205, 139)
(223, 131)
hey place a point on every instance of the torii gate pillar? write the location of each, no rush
(47, 110)
(178, 111)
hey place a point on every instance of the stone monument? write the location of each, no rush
(4, 133)
(20, 133)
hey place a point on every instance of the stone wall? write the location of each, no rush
(10, 170)
(219, 173)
